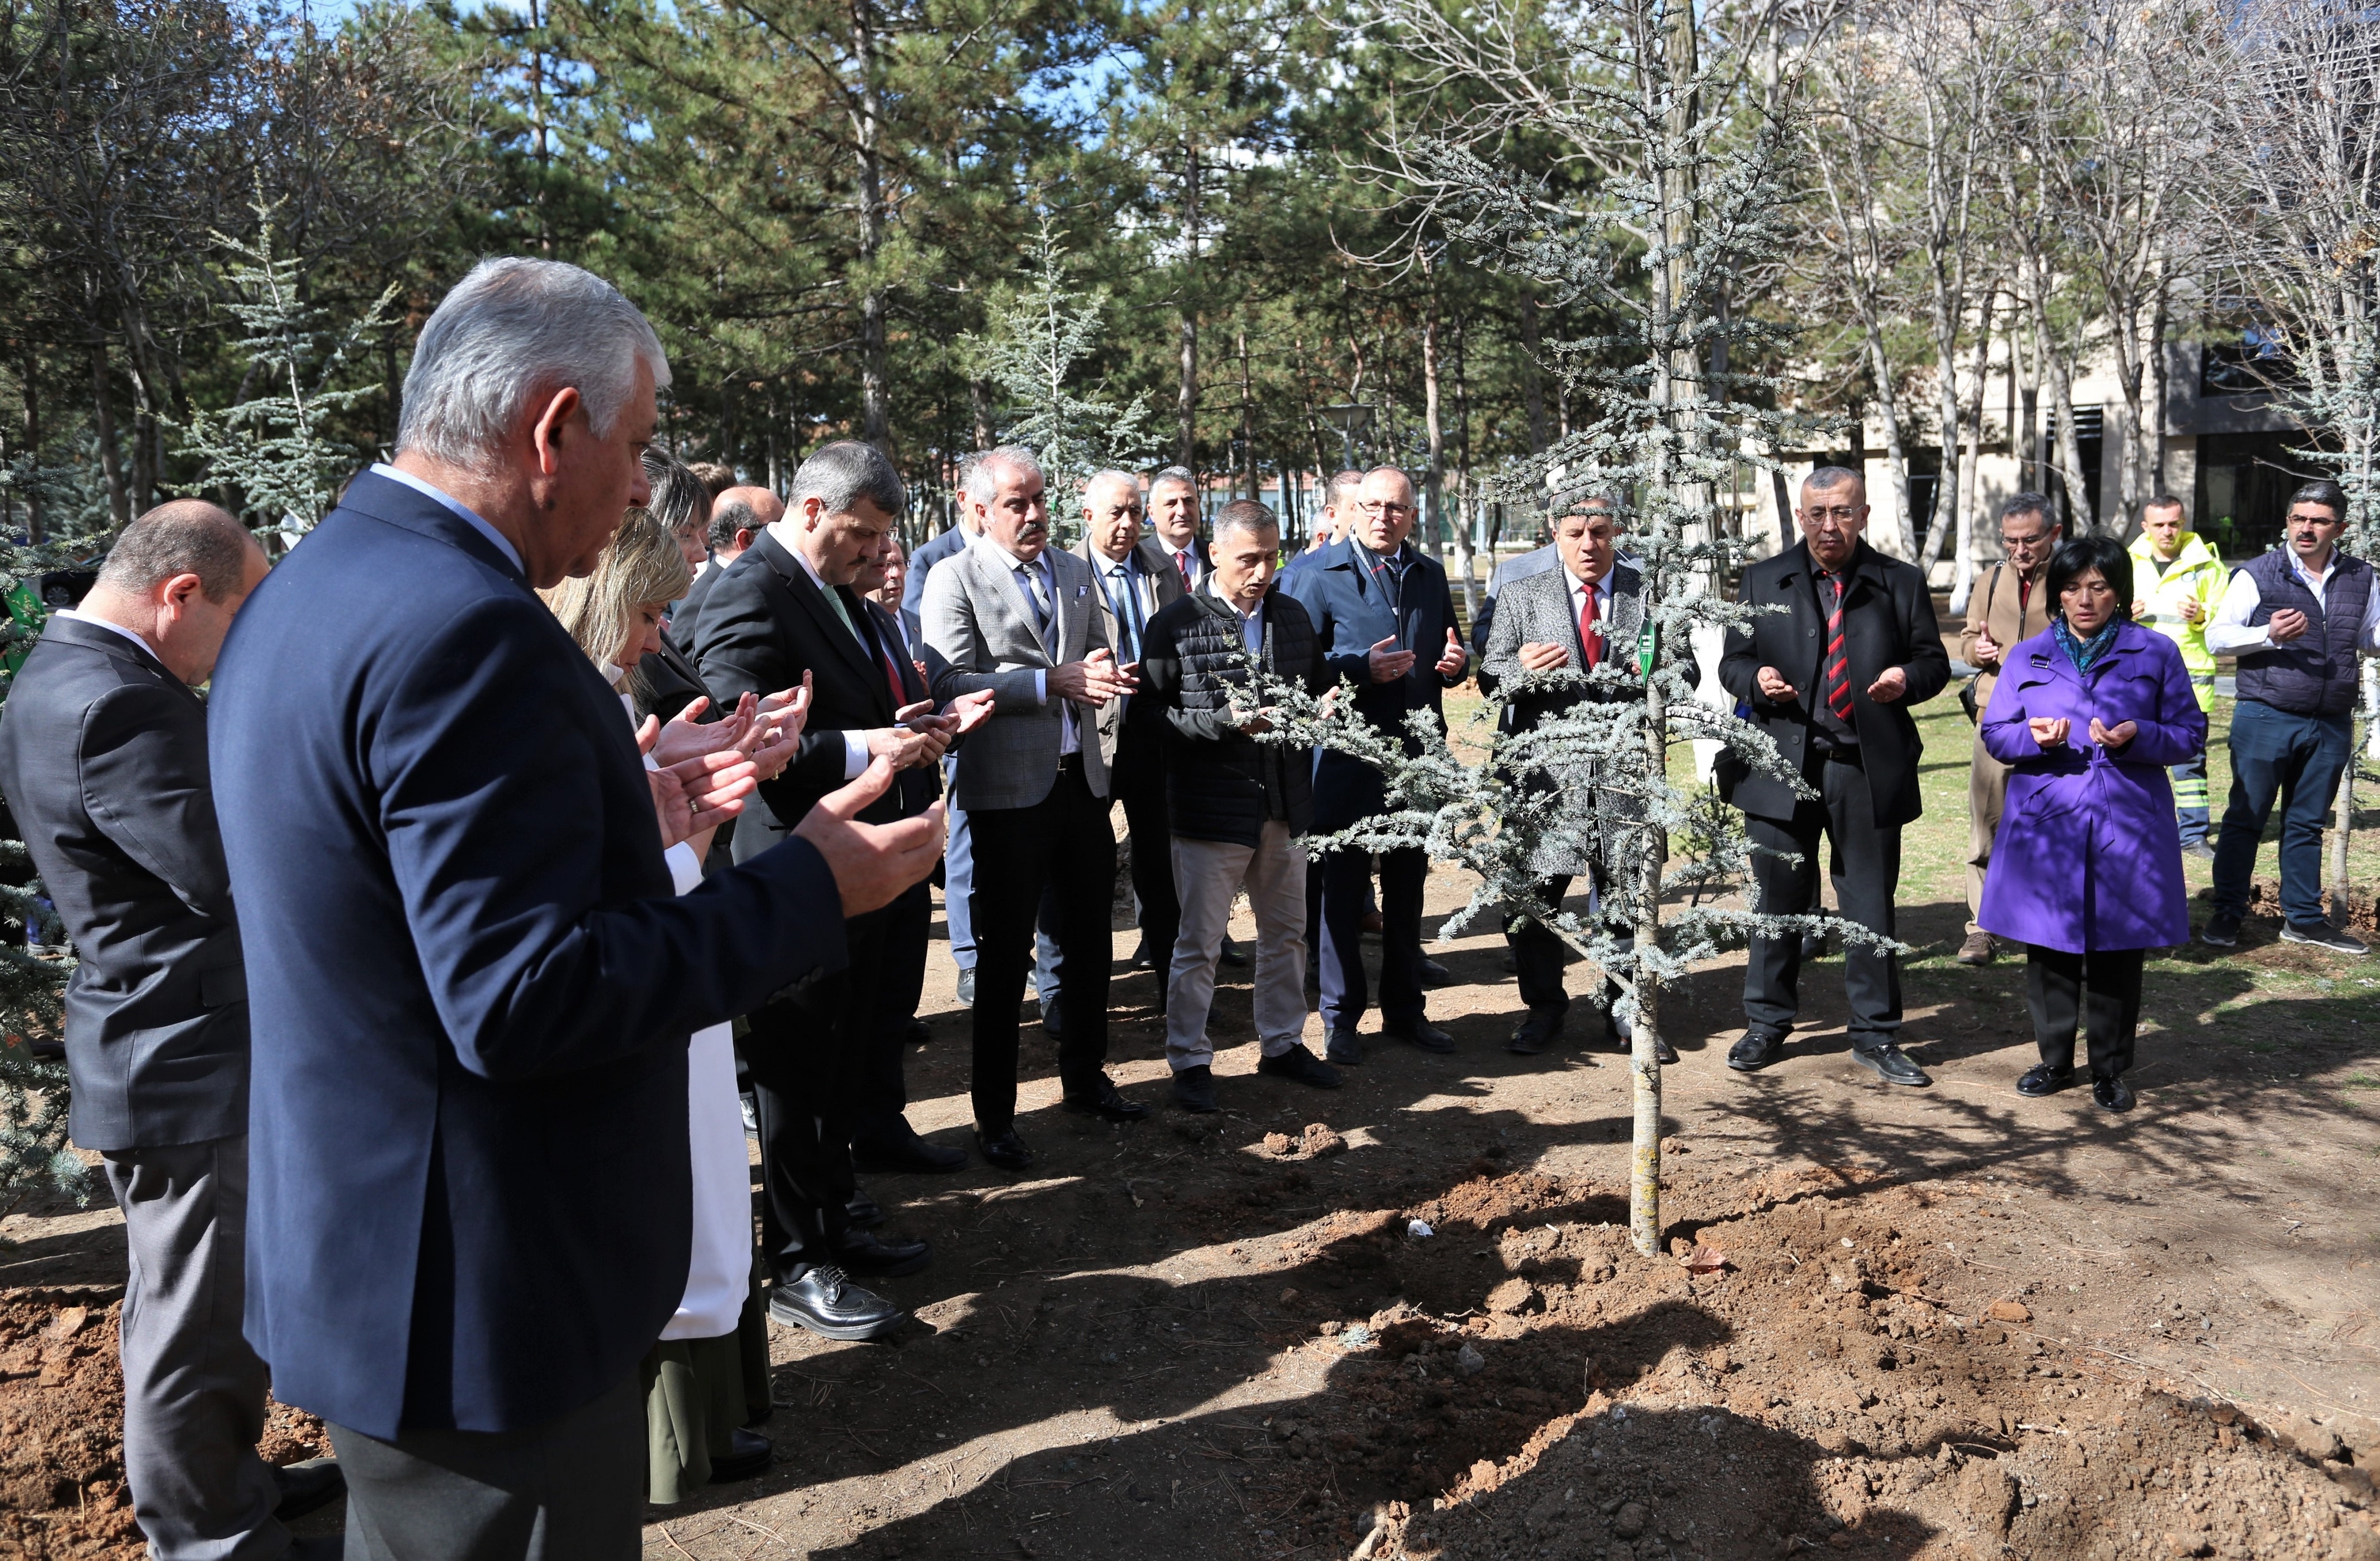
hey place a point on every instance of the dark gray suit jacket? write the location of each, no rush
(103, 759)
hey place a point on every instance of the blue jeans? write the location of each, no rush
(2299, 759)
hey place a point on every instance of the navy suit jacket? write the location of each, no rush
(922, 561)
(1351, 613)
(103, 760)
(469, 1203)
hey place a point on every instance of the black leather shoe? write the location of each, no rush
(2112, 1094)
(306, 1487)
(1233, 954)
(825, 1302)
(1511, 963)
(1813, 946)
(1108, 1106)
(1299, 1066)
(1889, 1063)
(1344, 1049)
(1053, 1019)
(1194, 1089)
(1003, 1149)
(747, 1457)
(1757, 1050)
(914, 1157)
(863, 1212)
(967, 989)
(1428, 1037)
(2042, 1078)
(1540, 1030)
(860, 1252)
(1435, 975)
(916, 1033)
(2221, 931)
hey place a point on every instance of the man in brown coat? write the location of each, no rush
(2010, 604)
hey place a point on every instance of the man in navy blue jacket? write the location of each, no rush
(1380, 606)
(470, 987)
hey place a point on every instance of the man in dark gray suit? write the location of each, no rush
(737, 516)
(1020, 618)
(103, 758)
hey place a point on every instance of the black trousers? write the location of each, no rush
(1063, 844)
(1140, 787)
(1866, 867)
(570, 1489)
(884, 1089)
(805, 1048)
(1346, 885)
(2054, 981)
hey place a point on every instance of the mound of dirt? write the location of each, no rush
(1541, 1390)
(62, 1491)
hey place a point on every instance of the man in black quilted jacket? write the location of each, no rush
(1237, 806)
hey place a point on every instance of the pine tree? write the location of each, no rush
(1040, 332)
(274, 452)
(1691, 203)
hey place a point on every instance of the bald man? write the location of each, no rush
(737, 515)
(103, 758)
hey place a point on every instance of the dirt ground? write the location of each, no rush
(1947, 1323)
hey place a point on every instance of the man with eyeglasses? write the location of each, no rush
(2009, 605)
(1830, 679)
(1379, 603)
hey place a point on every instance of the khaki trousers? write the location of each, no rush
(1206, 874)
(1986, 793)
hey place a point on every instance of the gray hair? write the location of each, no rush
(2029, 502)
(839, 475)
(1181, 475)
(180, 537)
(1825, 479)
(510, 331)
(981, 486)
(1110, 475)
(1245, 515)
(728, 518)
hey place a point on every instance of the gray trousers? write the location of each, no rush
(193, 1389)
(1207, 875)
(572, 1489)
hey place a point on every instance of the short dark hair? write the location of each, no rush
(2100, 551)
(728, 519)
(2027, 502)
(2323, 491)
(841, 474)
(2163, 501)
(180, 537)
(716, 476)
(1245, 515)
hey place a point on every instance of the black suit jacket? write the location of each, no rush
(765, 624)
(921, 785)
(1152, 552)
(1888, 621)
(103, 760)
(686, 618)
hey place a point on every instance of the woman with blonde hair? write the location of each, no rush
(697, 1381)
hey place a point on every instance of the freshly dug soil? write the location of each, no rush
(62, 1491)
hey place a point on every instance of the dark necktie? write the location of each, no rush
(1839, 664)
(1183, 558)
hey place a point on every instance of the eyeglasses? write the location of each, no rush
(1841, 514)
(1387, 509)
(2036, 540)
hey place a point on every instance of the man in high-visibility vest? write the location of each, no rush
(2181, 580)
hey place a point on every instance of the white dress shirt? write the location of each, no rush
(503, 544)
(2230, 633)
(1069, 737)
(854, 744)
(1601, 591)
(1180, 558)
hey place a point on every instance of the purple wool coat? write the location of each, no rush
(2088, 854)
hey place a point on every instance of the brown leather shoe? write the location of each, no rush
(1978, 950)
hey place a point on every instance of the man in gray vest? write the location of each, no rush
(2296, 617)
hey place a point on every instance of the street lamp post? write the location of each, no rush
(1352, 420)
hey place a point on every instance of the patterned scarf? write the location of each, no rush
(2082, 652)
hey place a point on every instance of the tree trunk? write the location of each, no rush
(875, 377)
(1248, 416)
(979, 405)
(1970, 511)
(1186, 398)
(1434, 478)
(2160, 327)
(103, 423)
(2059, 374)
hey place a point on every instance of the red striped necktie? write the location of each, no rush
(1839, 664)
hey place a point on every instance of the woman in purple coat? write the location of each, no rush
(2086, 868)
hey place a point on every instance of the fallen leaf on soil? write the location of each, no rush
(1704, 1259)
(2007, 1311)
